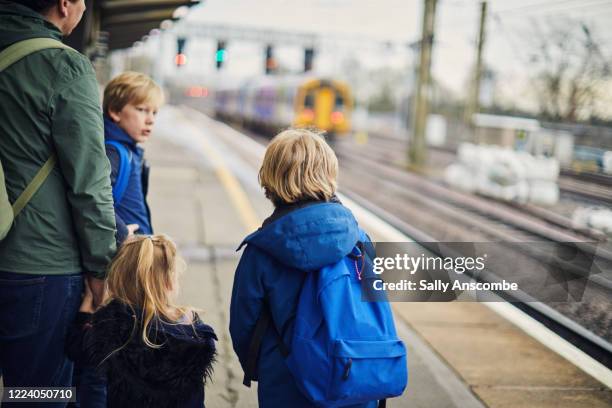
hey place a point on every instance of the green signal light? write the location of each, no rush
(221, 55)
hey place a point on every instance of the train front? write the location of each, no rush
(325, 105)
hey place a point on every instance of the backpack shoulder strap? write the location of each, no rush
(21, 49)
(255, 344)
(264, 320)
(34, 185)
(123, 173)
(8, 57)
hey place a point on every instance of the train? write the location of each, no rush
(272, 103)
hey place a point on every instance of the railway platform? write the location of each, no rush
(204, 194)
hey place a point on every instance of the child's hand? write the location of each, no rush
(87, 304)
(132, 228)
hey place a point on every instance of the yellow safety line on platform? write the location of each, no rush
(239, 198)
(237, 195)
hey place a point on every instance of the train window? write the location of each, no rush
(339, 104)
(309, 100)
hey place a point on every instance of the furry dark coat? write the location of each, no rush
(138, 375)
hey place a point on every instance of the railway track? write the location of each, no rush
(531, 219)
(586, 187)
(573, 194)
(594, 194)
(590, 177)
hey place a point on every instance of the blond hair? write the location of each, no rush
(131, 88)
(298, 165)
(144, 276)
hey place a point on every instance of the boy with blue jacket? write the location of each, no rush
(131, 102)
(308, 230)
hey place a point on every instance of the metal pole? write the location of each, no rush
(474, 102)
(417, 151)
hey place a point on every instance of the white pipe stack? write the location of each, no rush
(596, 218)
(607, 162)
(505, 174)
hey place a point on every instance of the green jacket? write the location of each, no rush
(50, 102)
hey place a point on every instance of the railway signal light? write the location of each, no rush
(221, 54)
(271, 63)
(180, 59)
(308, 59)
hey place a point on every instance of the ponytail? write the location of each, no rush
(144, 276)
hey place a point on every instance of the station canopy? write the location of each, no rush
(127, 21)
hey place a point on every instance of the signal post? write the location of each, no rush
(417, 151)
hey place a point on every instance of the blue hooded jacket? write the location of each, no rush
(293, 242)
(133, 208)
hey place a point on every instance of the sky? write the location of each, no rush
(352, 23)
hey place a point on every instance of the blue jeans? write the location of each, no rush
(91, 387)
(35, 314)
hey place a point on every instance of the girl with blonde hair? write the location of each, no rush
(153, 352)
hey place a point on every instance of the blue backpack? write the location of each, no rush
(124, 171)
(344, 350)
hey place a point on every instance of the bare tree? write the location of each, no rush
(569, 69)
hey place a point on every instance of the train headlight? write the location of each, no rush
(337, 117)
(308, 114)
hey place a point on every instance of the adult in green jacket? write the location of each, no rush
(50, 103)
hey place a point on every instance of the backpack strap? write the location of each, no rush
(264, 320)
(21, 49)
(123, 173)
(34, 185)
(8, 57)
